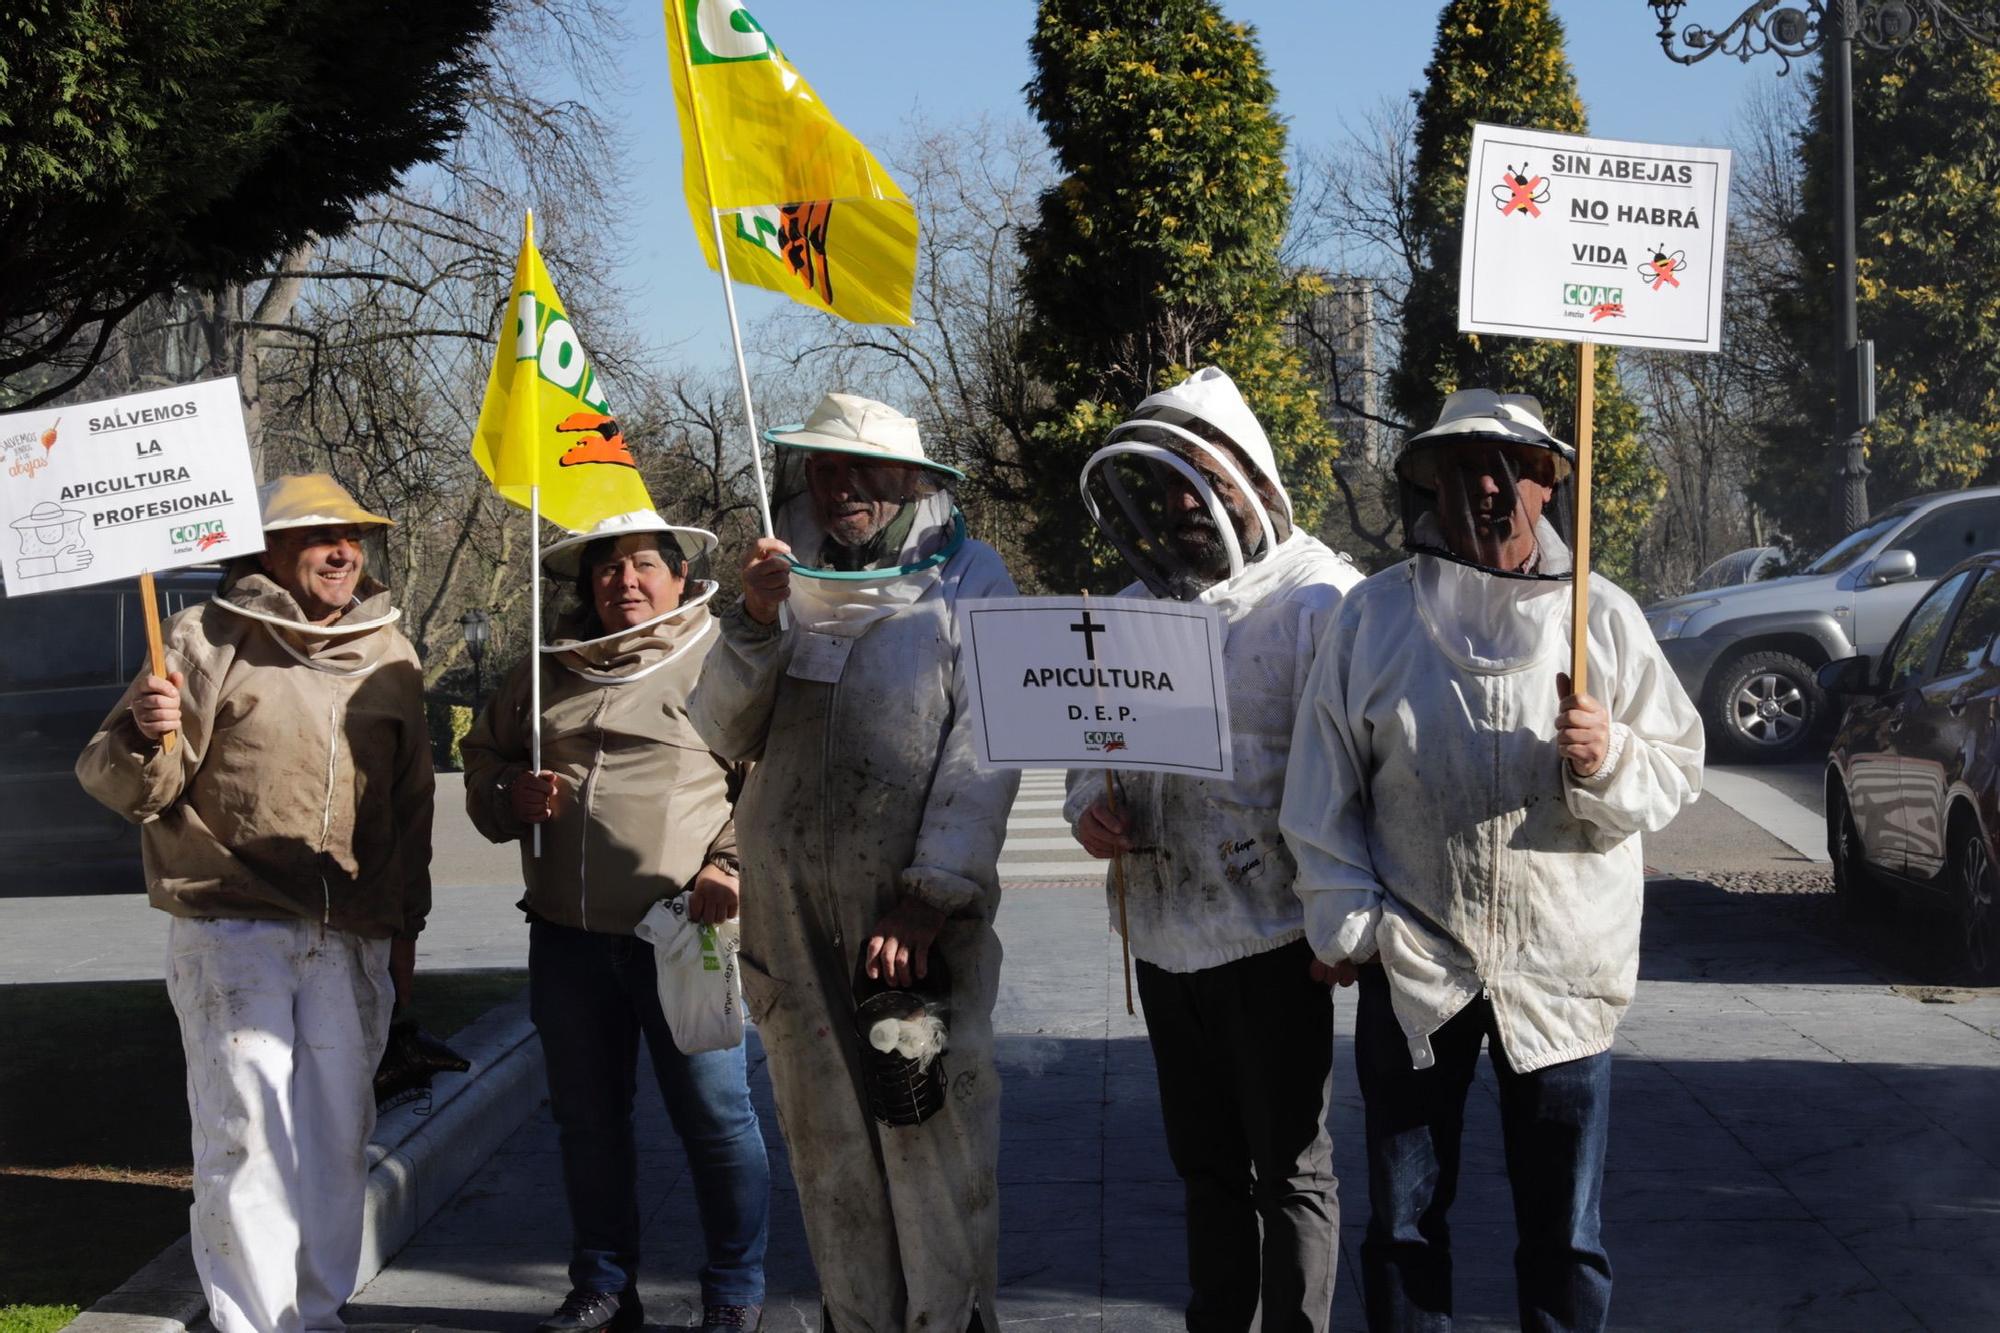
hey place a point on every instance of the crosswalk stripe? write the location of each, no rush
(1038, 805)
(1037, 822)
(1043, 845)
(1085, 870)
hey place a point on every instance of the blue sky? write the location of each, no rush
(884, 65)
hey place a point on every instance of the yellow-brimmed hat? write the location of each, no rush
(313, 500)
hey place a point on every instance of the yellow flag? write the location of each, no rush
(807, 210)
(545, 421)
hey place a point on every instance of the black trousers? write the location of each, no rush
(1245, 1059)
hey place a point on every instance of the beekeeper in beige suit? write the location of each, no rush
(288, 835)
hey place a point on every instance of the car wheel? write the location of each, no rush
(1857, 891)
(1975, 915)
(1765, 706)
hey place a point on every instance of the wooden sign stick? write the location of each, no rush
(1579, 618)
(156, 650)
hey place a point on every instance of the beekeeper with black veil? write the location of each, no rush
(869, 840)
(1467, 829)
(1188, 492)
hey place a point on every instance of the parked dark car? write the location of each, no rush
(1913, 781)
(65, 657)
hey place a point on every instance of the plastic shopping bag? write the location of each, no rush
(700, 987)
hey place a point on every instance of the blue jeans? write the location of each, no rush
(591, 996)
(1554, 1123)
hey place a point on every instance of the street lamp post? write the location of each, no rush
(1795, 29)
(477, 627)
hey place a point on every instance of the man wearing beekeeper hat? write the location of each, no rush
(633, 810)
(287, 833)
(1188, 492)
(870, 842)
(1467, 829)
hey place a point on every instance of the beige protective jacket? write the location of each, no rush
(648, 804)
(301, 785)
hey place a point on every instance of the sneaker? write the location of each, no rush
(731, 1318)
(595, 1312)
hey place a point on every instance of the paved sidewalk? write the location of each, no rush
(1796, 1145)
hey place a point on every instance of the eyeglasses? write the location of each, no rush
(894, 483)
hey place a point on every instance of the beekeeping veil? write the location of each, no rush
(1187, 489)
(585, 646)
(869, 518)
(1487, 504)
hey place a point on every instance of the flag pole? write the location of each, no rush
(677, 25)
(535, 635)
(742, 369)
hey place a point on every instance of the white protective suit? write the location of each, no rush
(867, 789)
(1434, 822)
(1212, 879)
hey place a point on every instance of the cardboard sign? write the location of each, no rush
(1077, 682)
(1593, 240)
(96, 492)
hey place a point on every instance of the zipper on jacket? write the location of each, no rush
(589, 793)
(326, 811)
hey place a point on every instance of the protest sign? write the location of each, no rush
(1593, 240)
(95, 492)
(1084, 682)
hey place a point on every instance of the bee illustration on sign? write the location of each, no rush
(1520, 192)
(1662, 267)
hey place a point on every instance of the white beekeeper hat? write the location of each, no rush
(564, 559)
(845, 423)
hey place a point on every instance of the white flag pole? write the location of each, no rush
(535, 638)
(742, 369)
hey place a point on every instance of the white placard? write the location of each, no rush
(1593, 240)
(96, 492)
(1089, 682)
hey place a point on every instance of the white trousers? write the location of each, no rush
(283, 1023)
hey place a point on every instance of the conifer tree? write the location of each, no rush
(1157, 251)
(1502, 62)
(1927, 200)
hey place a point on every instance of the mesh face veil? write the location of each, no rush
(1181, 510)
(849, 516)
(1497, 504)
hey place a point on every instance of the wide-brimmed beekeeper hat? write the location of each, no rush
(1511, 418)
(312, 500)
(845, 423)
(564, 559)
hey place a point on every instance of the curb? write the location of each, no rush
(416, 1163)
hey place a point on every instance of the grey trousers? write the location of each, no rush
(1245, 1059)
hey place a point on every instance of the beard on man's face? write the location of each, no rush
(1195, 538)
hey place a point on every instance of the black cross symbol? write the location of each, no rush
(1089, 632)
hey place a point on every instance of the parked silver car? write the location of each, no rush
(1747, 654)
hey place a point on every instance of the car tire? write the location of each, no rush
(1855, 887)
(1974, 909)
(1764, 707)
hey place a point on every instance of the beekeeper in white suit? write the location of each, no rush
(1467, 833)
(869, 841)
(1188, 492)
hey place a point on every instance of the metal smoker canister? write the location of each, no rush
(900, 1090)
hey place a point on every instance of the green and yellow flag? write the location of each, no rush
(807, 210)
(545, 421)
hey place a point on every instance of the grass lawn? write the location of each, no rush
(94, 1152)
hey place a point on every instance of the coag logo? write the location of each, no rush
(550, 341)
(1103, 742)
(206, 533)
(722, 32)
(1596, 301)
